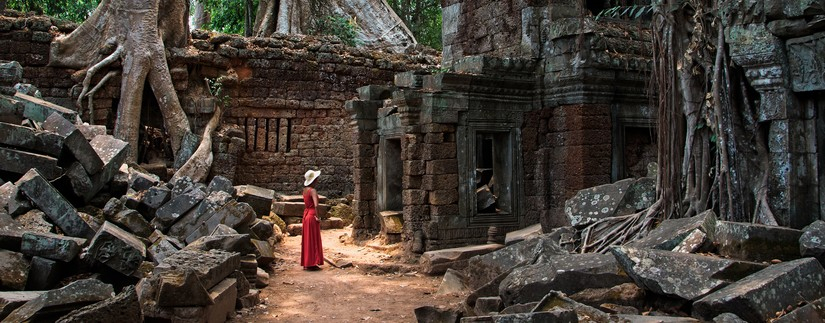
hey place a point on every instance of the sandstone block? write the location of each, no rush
(759, 296)
(210, 266)
(124, 307)
(9, 301)
(170, 212)
(756, 242)
(19, 162)
(112, 152)
(29, 139)
(683, 275)
(75, 142)
(437, 262)
(258, 197)
(39, 110)
(49, 200)
(117, 249)
(74, 295)
(51, 246)
(43, 273)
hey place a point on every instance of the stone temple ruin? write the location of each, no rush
(533, 102)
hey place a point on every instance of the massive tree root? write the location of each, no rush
(135, 33)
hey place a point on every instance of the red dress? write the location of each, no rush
(312, 253)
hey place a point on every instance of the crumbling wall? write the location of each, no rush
(286, 96)
(487, 27)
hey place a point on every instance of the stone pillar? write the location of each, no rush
(792, 182)
(364, 114)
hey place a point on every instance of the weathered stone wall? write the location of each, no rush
(286, 95)
(485, 27)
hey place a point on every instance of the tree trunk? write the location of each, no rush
(200, 16)
(137, 27)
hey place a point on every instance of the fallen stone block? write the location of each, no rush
(331, 223)
(51, 246)
(671, 232)
(592, 204)
(262, 229)
(29, 139)
(122, 308)
(14, 270)
(162, 248)
(652, 319)
(132, 221)
(485, 305)
(153, 199)
(392, 222)
(18, 204)
(436, 314)
(295, 229)
(223, 297)
(262, 278)
(557, 300)
(695, 242)
(70, 297)
(484, 268)
(220, 183)
(180, 288)
(56, 207)
(760, 296)
(565, 273)
(44, 273)
(233, 214)
(11, 233)
(223, 230)
(39, 110)
(239, 243)
(7, 192)
(140, 180)
(210, 266)
(627, 294)
(188, 145)
(78, 179)
(199, 214)
(555, 315)
(117, 249)
(249, 300)
(522, 234)
(687, 276)
(258, 197)
(728, 318)
(112, 153)
(812, 241)
(11, 72)
(19, 162)
(170, 212)
(91, 131)
(437, 262)
(452, 283)
(9, 301)
(75, 142)
(264, 251)
(756, 242)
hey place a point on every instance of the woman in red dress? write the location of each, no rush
(312, 253)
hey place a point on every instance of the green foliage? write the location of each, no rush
(227, 16)
(75, 10)
(344, 28)
(423, 17)
(216, 90)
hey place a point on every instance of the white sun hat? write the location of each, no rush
(310, 176)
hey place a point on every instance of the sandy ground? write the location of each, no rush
(380, 286)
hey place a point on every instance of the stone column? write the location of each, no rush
(364, 124)
(792, 182)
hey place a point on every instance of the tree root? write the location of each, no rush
(198, 166)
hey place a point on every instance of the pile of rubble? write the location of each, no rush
(685, 270)
(84, 236)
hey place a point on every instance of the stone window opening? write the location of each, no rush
(268, 134)
(493, 173)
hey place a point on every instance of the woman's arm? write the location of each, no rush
(314, 194)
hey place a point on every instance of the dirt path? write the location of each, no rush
(379, 287)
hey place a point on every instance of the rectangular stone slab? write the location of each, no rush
(30, 139)
(436, 262)
(39, 109)
(14, 270)
(44, 273)
(758, 297)
(258, 197)
(211, 266)
(19, 162)
(112, 152)
(51, 246)
(9, 301)
(56, 207)
(756, 242)
(118, 249)
(75, 142)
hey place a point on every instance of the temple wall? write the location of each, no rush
(286, 95)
